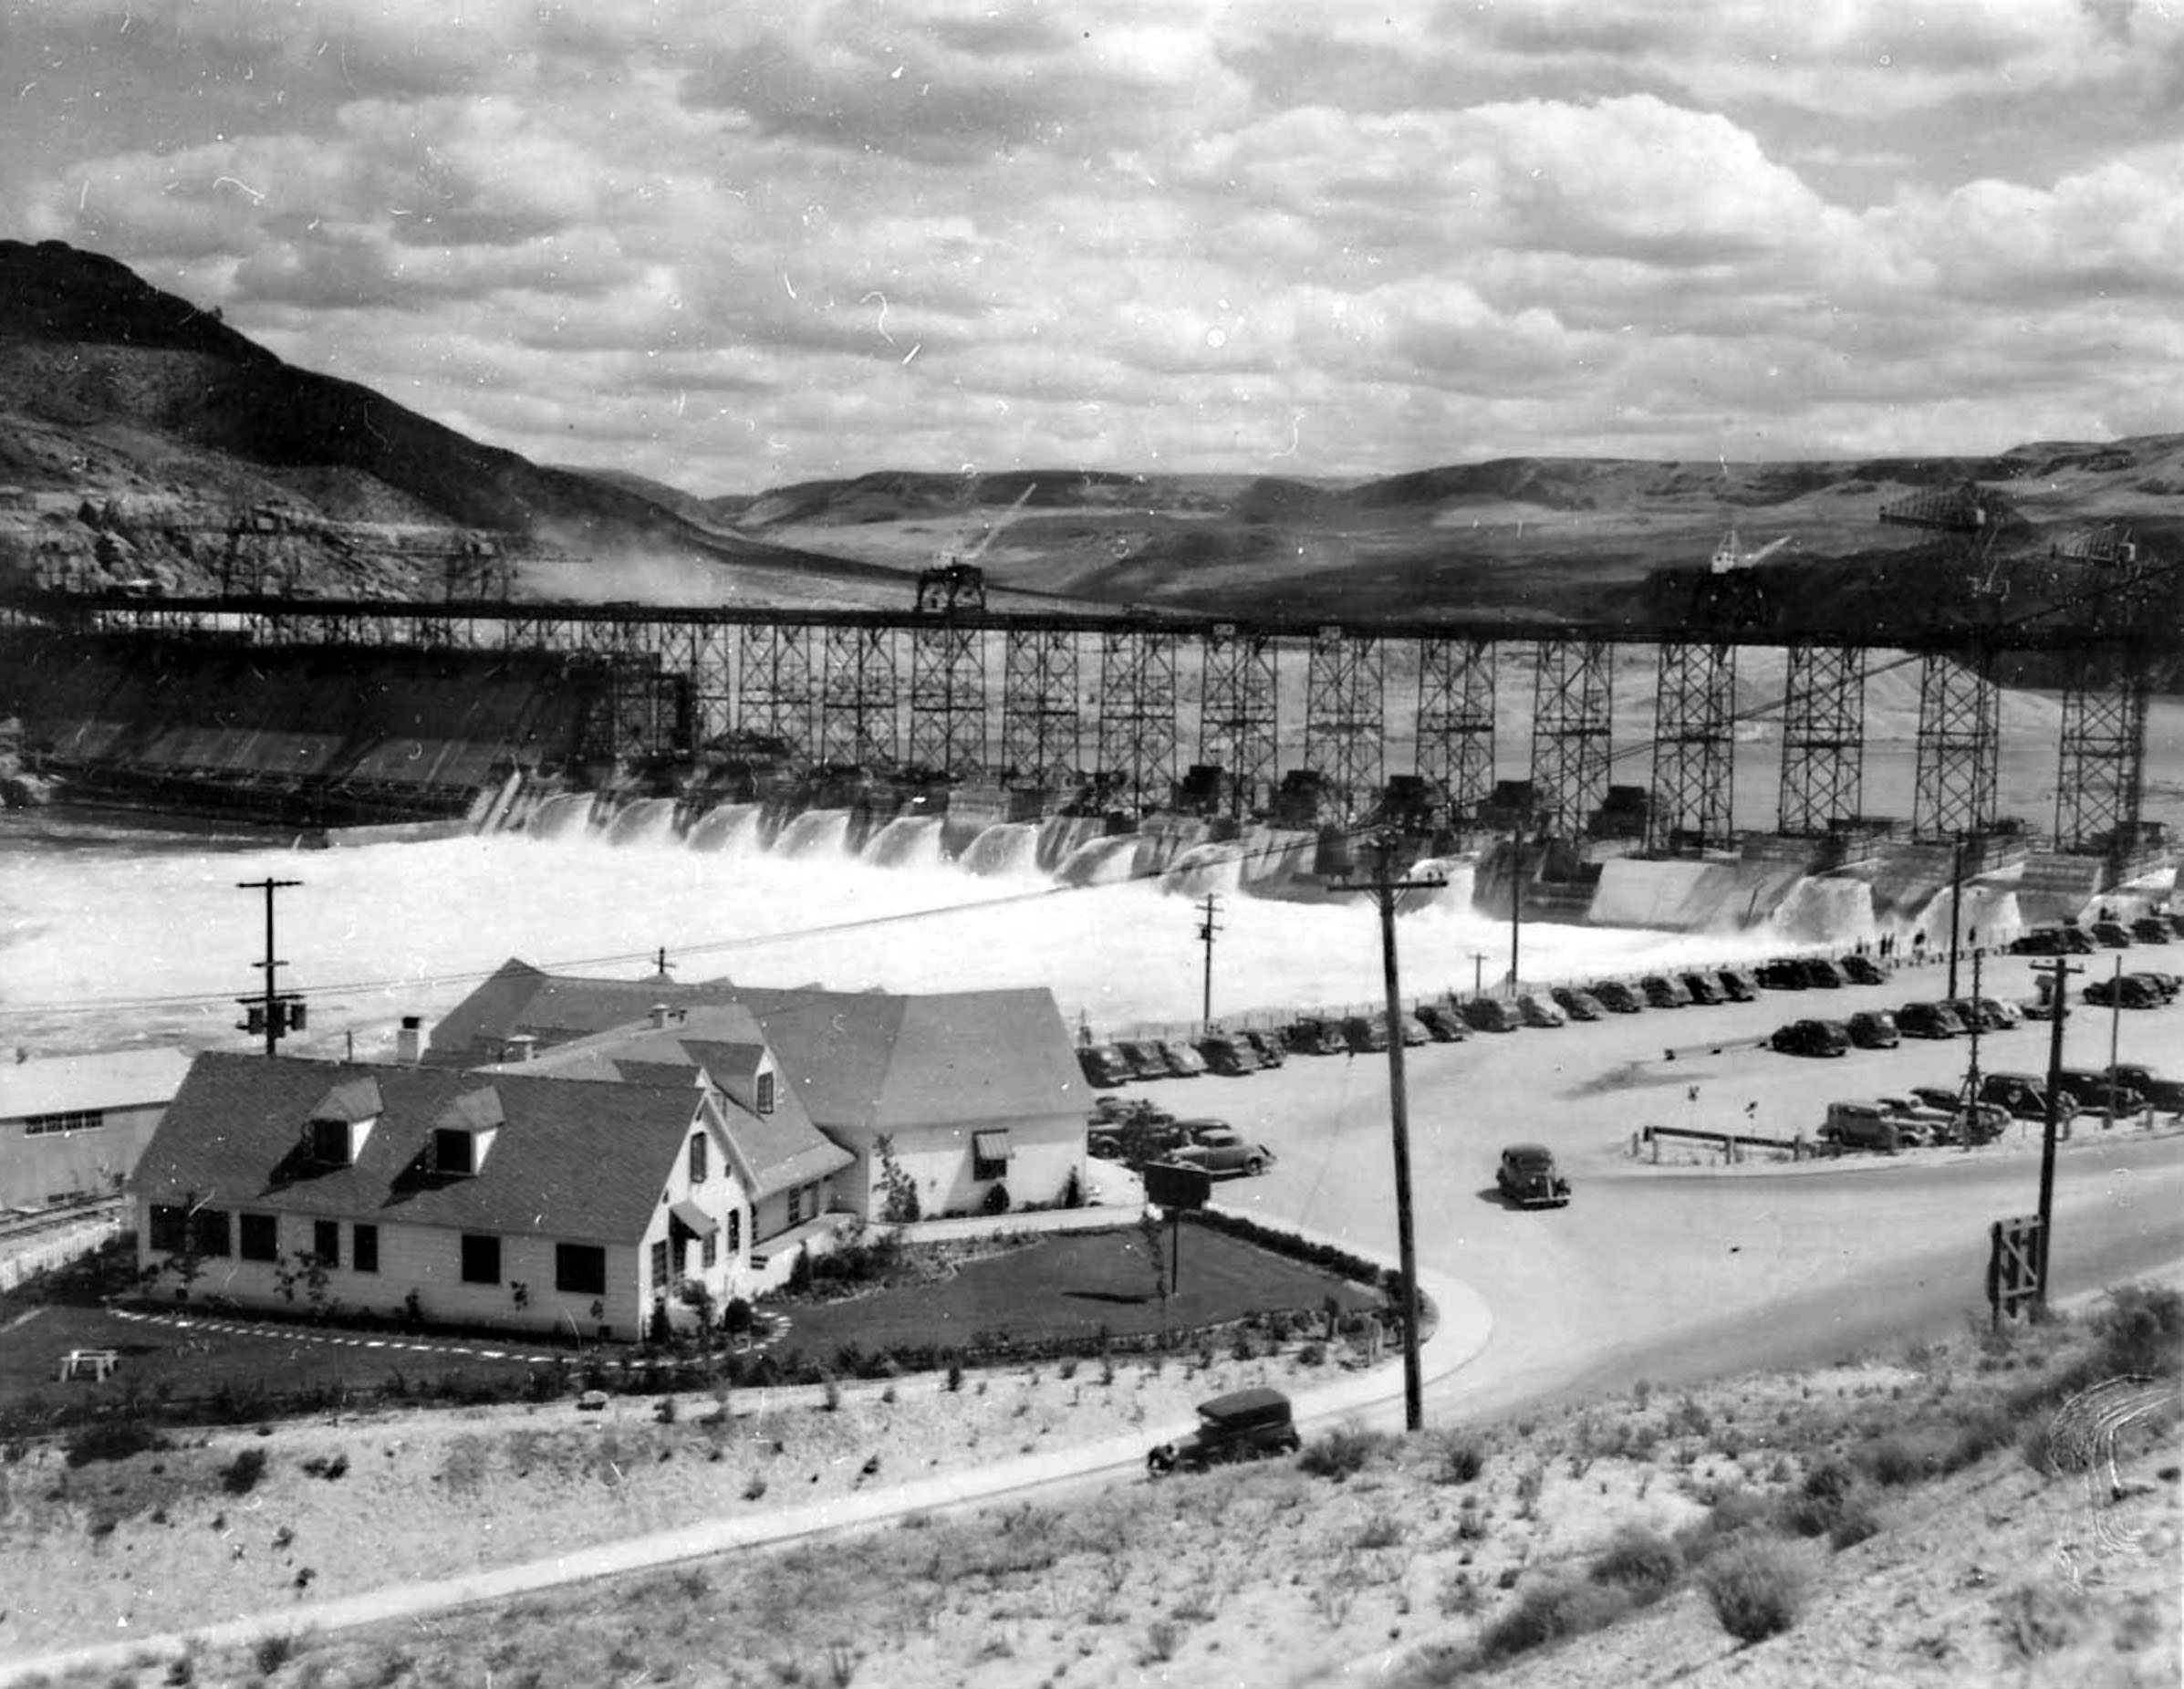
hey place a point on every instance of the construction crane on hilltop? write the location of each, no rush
(959, 583)
(1729, 556)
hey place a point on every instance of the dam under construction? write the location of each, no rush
(1708, 771)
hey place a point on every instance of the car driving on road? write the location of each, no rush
(1246, 1424)
(1527, 1175)
(1220, 1150)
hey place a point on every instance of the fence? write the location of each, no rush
(60, 1248)
(1728, 1143)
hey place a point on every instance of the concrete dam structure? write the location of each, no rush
(1115, 746)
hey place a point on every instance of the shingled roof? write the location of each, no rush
(550, 1008)
(867, 1062)
(583, 1162)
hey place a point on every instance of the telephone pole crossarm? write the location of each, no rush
(276, 1012)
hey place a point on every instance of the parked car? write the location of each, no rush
(2151, 930)
(1147, 1060)
(1616, 998)
(2040, 941)
(1227, 1054)
(1984, 1122)
(2166, 984)
(1183, 1062)
(1985, 1013)
(1928, 1020)
(1247, 1424)
(1782, 974)
(2001, 1012)
(1314, 1036)
(1220, 1150)
(2175, 917)
(1266, 1046)
(1862, 970)
(1577, 1003)
(1365, 1033)
(1737, 985)
(1536, 1011)
(1872, 1028)
(2128, 991)
(1442, 1022)
(1102, 1065)
(1810, 1037)
(1413, 1034)
(2112, 935)
(2023, 1095)
(1528, 1177)
(2166, 1094)
(2095, 1090)
(1703, 989)
(1488, 1015)
(1662, 992)
(1868, 1126)
(1820, 974)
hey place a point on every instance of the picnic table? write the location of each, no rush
(97, 1365)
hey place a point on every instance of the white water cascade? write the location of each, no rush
(564, 815)
(1100, 862)
(1006, 848)
(1989, 918)
(649, 820)
(1825, 910)
(727, 827)
(813, 834)
(911, 841)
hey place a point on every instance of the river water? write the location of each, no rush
(117, 932)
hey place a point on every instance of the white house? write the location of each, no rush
(73, 1126)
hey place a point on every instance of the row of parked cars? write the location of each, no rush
(2165, 928)
(1939, 1114)
(1134, 1131)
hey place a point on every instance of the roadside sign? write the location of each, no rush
(2013, 1267)
(1173, 1184)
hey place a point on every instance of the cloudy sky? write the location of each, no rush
(732, 245)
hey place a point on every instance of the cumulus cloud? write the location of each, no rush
(731, 246)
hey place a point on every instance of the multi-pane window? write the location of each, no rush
(765, 1098)
(364, 1249)
(709, 1249)
(261, 1237)
(326, 1242)
(580, 1269)
(71, 1119)
(795, 1204)
(735, 1231)
(481, 1258)
(660, 1268)
(697, 1158)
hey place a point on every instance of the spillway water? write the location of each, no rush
(109, 935)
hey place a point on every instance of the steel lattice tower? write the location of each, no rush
(1958, 741)
(856, 722)
(948, 698)
(1456, 721)
(1236, 724)
(2100, 784)
(1570, 718)
(699, 650)
(1137, 715)
(1693, 748)
(1823, 738)
(1040, 730)
(773, 692)
(1344, 718)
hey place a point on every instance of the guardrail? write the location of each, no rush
(1728, 1143)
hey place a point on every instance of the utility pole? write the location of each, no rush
(1206, 929)
(1478, 973)
(1972, 1078)
(1956, 906)
(1516, 900)
(2060, 971)
(2115, 1026)
(271, 1013)
(1385, 884)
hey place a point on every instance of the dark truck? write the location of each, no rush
(1245, 1425)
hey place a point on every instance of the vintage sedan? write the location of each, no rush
(1528, 1177)
(1246, 1424)
(1220, 1150)
(1810, 1037)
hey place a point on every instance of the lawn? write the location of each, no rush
(1072, 1287)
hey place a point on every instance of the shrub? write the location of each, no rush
(241, 1474)
(114, 1439)
(1548, 1612)
(1757, 1587)
(2141, 1331)
(1460, 1458)
(1640, 1560)
(1344, 1452)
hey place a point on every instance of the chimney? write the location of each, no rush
(660, 1016)
(409, 1043)
(520, 1048)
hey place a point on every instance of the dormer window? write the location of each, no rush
(463, 1135)
(334, 1134)
(697, 1158)
(763, 1100)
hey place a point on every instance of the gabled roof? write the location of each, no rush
(722, 1042)
(113, 1079)
(350, 1101)
(553, 1009)
(585, 1163)
(870, 1062)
